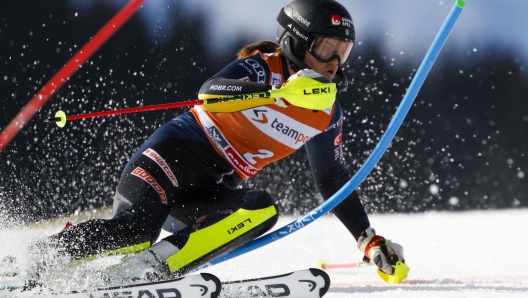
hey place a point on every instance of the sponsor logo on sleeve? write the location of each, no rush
(162, 164)
(246, 68)
(338, 140)
(339, 123)
(145, 176)
(338, 150)
(225, 88)
(258, 69)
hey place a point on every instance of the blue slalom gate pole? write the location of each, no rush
(373, 159)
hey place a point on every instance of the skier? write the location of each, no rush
(185, 178)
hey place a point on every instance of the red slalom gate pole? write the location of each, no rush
(67, 70)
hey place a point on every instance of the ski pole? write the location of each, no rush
(61, 117)
(67, 70)
(324, 264)
(298, 92)
(372, 160)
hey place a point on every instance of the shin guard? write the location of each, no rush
(188, 249)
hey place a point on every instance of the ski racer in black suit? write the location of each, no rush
(186, 177)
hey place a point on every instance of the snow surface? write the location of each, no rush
(464, 254)
(467, 254)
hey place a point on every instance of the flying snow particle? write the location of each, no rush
(403, 184)
(433, 189)
(453, 201)
(520, 174)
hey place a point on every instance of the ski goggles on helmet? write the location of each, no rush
(327, 48)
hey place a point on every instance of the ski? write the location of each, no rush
(190, 286)
(202, 285)
(308, 283)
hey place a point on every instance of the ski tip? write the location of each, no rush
(325, 276)
(216, 280)
(461, 3)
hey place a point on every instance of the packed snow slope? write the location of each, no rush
(463, 254)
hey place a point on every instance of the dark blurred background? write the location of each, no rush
(462, 146)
